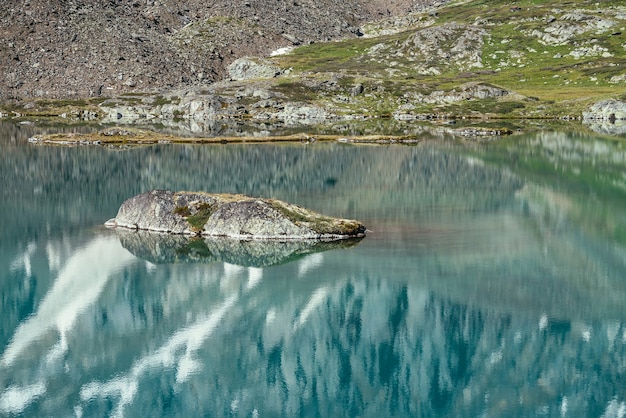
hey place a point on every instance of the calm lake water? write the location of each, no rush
(493, 283)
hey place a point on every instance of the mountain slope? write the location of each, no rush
(84, 48)
(464, 59)
(533, 59)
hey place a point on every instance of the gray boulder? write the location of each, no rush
(229, 215)
(248, 68)
(610, 110)
(303, 114)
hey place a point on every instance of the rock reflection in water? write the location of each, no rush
(606, 127)
(167, 248)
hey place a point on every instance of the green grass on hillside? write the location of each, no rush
(555, 80)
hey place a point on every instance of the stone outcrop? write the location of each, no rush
(560, 30)
(250, 68)
(228, 215)
(432, 50)
(609, 110)
(607, 117)
(174, 105)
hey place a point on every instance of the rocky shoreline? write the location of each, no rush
(420, 63)
(126, 137)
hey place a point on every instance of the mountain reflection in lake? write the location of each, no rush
(492, 283)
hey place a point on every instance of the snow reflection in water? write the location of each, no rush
(482, 291)
(76, 288)
(190, 338)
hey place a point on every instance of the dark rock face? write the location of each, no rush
(229, 215)
(84, 48)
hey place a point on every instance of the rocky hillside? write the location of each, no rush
(405, 59)
(85, 48)
(477, 58)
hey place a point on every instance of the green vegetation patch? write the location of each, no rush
(198, 219)
(295, 90)
(196, 216)
(499, 107)
(559, 78)
(54, 107)
(319, 223)
(182, 211)
(48, 103)
(161, 100)
(339, 56)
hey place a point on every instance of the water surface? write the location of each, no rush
(492, 284)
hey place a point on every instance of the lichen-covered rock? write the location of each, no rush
(610, 110)
(247, 68)
(433, 50)
(301, 113)
(229, 215)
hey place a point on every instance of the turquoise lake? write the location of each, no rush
(492, 282)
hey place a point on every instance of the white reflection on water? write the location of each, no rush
(230, 282)
(78, 285)
(54, 255)
(309, 263)
(16, 398)
(23, 260)
(318, 297)
(191, 338)
(255, 275)
(615, 409)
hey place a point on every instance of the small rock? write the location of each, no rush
(609, 110)
(356, 90)
(249, 68)
(291, 39)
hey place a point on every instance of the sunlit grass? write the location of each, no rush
(513, 57)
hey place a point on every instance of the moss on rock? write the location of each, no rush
(229, 215)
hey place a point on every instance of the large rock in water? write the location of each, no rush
(229, 215)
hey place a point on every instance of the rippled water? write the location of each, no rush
(492, 284)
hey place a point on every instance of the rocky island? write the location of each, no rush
(229, 215)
